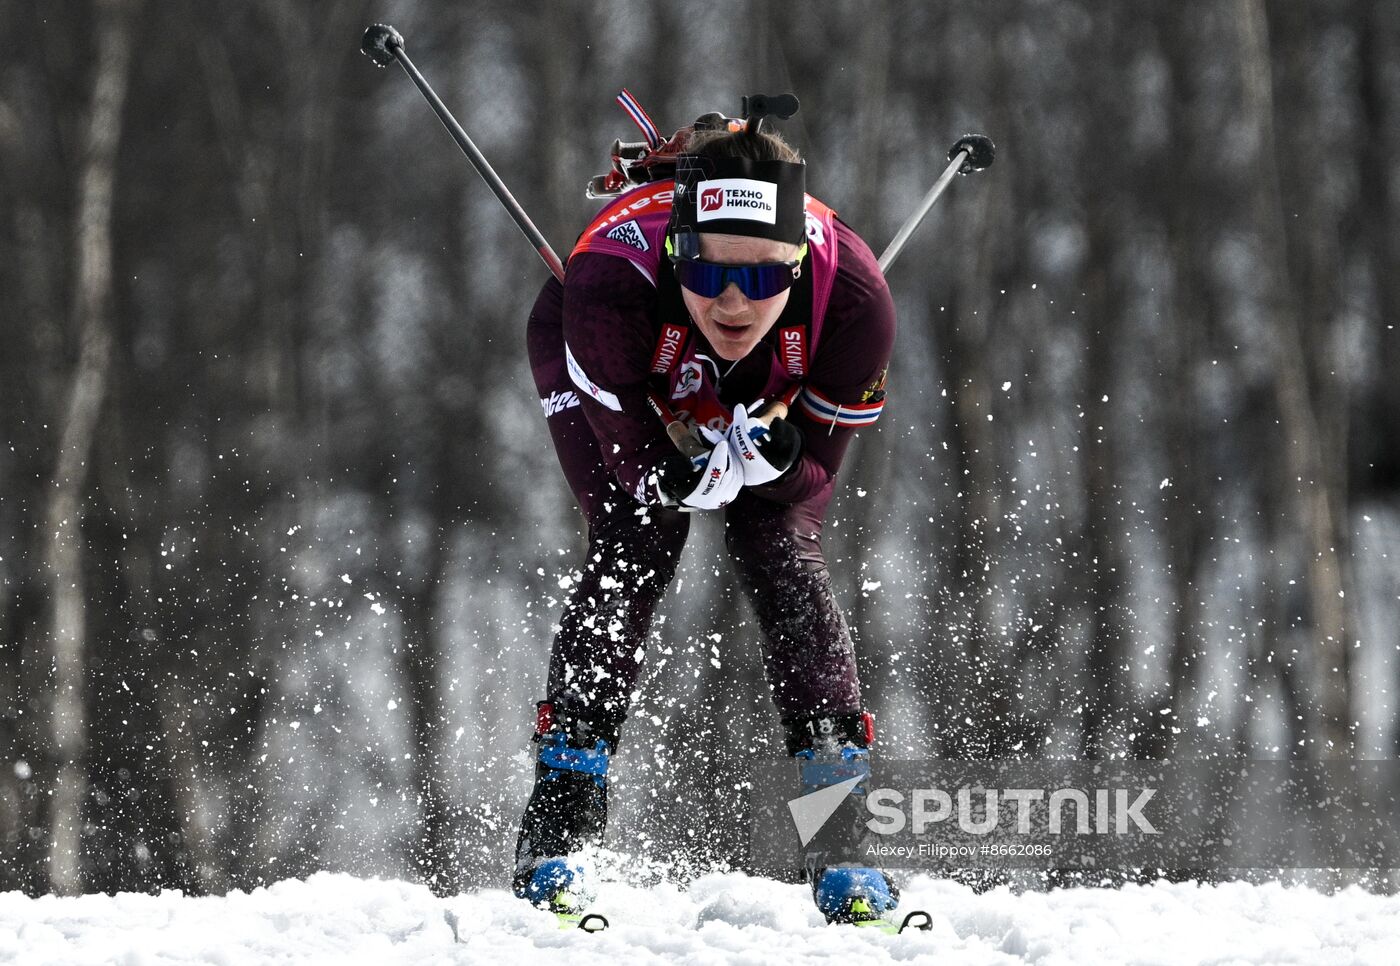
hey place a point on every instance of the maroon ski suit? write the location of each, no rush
(627, 333)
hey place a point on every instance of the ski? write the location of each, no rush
(564, 906)
(587, 921)
(918, 919)
(597, 922)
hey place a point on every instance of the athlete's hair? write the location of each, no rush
(766, 146)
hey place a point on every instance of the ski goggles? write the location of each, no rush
(757, 282)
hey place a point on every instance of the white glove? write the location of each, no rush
(744, 433)
(722, 475)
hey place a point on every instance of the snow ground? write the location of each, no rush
(333, 918)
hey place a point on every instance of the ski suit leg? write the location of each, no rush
(632, 551)
(808, 653)
(810, 661)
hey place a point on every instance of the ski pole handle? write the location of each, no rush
(678, 432)
(972, 152)
(779, 408)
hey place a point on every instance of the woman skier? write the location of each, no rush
(715, 294)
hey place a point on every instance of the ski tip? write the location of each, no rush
(588, 922)
(918, 919)
(593, 922)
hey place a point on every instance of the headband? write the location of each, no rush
(737, 196)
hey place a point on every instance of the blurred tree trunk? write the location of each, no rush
(1378, 33)
(190, 830)
(980, 715)
(1109, 701)
(63, 552)
(36, 237)
(21, 863)
(1305, 469)
(1110, 711)
(1190, 320)
(433, 849)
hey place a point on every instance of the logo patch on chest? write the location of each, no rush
(688, 380)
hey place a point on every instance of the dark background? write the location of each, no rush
(282, 537)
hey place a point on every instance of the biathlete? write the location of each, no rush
(715, 292)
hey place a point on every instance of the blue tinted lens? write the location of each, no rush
(708, 279)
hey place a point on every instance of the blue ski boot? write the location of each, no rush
(855, 895)
(829, 750)
(560, 885)
(568, 808)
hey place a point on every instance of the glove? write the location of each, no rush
(722, 476)
(706, 483)
(764, 452)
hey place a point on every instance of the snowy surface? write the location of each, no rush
(719, 919)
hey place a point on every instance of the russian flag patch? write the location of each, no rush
(828, 413)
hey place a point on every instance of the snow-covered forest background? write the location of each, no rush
(282, 536)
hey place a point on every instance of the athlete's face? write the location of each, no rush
(732, 322)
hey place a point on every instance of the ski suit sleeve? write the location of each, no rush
(609, 340)
(846, 388)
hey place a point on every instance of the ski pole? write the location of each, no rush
(384, 45)
(972, 152)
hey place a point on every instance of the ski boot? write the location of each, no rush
(568, 808)
(855, 895)
(829, 750)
